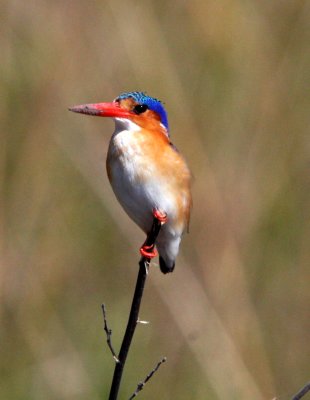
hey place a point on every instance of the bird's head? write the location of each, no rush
(137, 107)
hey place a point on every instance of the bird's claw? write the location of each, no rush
(160, 216)
(148, 251)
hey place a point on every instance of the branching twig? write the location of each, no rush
(134, 312)
(149, 376)
(108, 333)
(302, 392)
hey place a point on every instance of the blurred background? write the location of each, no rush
(233, 319)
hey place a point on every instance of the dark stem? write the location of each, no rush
(302, 392)
(134, 312)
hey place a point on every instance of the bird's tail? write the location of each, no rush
(168, 247)
(166, 267)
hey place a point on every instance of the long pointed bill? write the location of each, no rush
(102, 110)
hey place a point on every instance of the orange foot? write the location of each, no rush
(148, 251)
(161, 216)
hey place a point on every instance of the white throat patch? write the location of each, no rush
(124, 124)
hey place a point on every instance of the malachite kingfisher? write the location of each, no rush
(148, 175)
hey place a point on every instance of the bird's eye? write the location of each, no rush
(140, 108)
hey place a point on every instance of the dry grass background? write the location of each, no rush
(233, 319)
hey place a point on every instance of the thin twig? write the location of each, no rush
(134, 311)
(149, 376)
(108, 332)
(143, 322)
(302, 392)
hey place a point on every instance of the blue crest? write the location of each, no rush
(152, 103)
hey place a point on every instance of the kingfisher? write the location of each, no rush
(148, 175)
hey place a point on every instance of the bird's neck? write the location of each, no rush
(129, 126)
(130, 140)
(125, 140)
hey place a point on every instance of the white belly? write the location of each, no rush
(139, 198)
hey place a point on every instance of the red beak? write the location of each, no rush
(102, 110)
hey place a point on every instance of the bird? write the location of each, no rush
(149, 176)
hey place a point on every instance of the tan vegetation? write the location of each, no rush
(233, 319)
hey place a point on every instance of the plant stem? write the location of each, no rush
(134, 312)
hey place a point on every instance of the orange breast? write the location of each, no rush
(171, 166)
